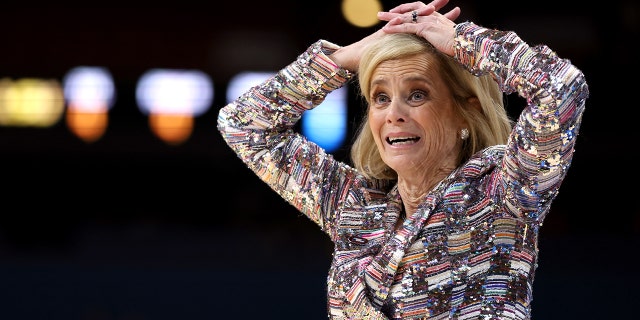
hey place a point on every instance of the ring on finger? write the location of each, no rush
(414, 16)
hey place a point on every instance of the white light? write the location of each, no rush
(89, 89)
(243, 81)
(164, 91)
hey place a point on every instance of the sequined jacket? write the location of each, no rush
(470, 251)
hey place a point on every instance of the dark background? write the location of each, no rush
(131, 228)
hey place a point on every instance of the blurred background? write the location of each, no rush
(121, 201)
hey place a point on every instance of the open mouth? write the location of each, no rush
(402, 140)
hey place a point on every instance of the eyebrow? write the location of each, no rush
(420, 78)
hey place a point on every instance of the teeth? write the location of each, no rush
(402, 140)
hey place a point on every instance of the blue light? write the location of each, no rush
(326, 125)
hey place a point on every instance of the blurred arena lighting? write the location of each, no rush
(172, 98)
(325, 125)
(242, 81)
(30, 102)
(361, 13)
(90, 93)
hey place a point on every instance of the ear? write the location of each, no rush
(474, 102)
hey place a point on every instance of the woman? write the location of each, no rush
(438, 215)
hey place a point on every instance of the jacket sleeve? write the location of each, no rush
(541, 146)
(259, 128)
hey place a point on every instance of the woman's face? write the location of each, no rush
(412, 117)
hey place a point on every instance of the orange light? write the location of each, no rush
(88, 126)
(173, 129)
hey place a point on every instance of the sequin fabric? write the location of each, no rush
(470, 251)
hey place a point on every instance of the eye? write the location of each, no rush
(381, 99)
(417, 97)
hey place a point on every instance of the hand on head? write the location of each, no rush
(425, 9)
(425, 21)
(435, 27)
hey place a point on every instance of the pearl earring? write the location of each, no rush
(464, 133)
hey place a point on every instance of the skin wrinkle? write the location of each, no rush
(394, 109)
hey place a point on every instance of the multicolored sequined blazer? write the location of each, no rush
(470, 251)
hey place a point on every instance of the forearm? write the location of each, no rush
(541, 145)
(258, 127)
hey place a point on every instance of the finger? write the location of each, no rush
(453, 14)
(426, 10)
(404, 17)
(388, 16)
(438, 4)
(401, 19)
(407, 7)
(401, 27)
(395, 18)
(407, 16)
(435, 5)
(418, 6)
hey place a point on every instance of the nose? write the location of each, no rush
(396, 111)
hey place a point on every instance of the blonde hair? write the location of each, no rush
(489, 126)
